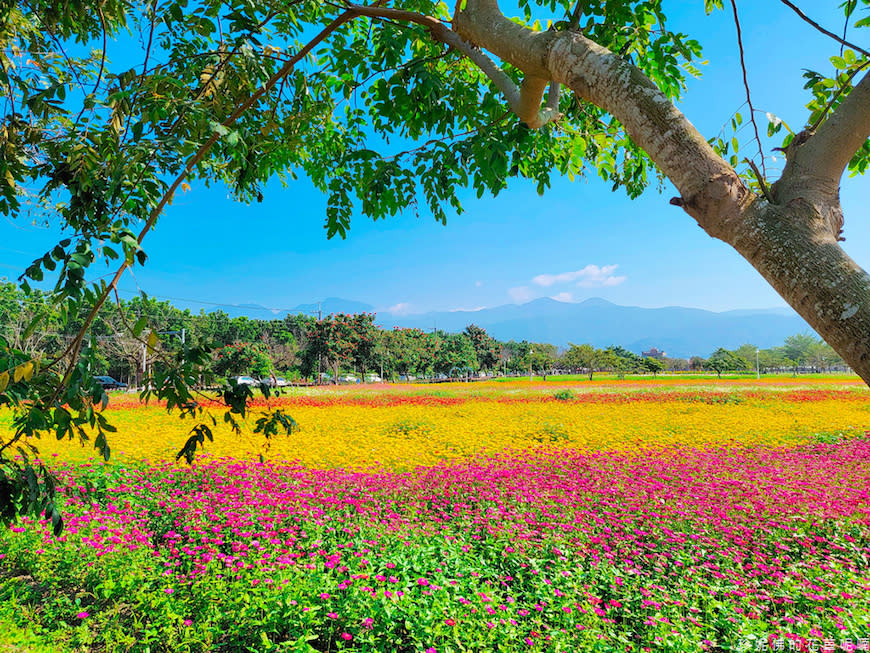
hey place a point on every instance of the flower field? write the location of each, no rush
(513, 517)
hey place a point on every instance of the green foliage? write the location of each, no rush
(486, 348)
(723, 360)
(340, 341)
(621, 361)
(653, 365)
(243, 358)
(564, 395)
(454, 355)
(585, 357)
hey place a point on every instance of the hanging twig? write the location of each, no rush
(823, 30)
(746, 86)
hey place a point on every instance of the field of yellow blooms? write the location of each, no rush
(400, 427)
(639, 516)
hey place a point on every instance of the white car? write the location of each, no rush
(348, 378)
(276, 382)
(243, 380)
(373, 378)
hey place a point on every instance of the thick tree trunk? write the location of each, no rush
(795, 250)
(792, 242)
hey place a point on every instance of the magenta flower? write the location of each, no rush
(83, 615)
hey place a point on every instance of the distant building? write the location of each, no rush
(653, 353)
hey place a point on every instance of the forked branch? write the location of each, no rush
(524, 100)
(827, 152)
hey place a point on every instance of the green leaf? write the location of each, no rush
(140, 325)
(56, 521)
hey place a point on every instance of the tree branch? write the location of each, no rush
(748, 95)
(524, 101)
(826, 153)
(711, 190)
(809, 20)
(75, 346)
(836, 96)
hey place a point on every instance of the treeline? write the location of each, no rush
(799, 353)
(304, 347)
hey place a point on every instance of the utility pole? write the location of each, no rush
(319, 357)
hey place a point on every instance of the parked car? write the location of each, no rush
(108, 383)
(373, 378)
(348, 378)
(243, 380)
(275, 382)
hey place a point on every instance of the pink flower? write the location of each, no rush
(368, 622)
(332, 615)
(422, 581)
(83, 615)
(346, 637)
(188, 622)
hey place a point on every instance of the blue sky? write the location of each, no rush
(579, 240)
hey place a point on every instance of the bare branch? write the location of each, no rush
(748, 96)
(809, 20)
(103, 52)
(150, 38)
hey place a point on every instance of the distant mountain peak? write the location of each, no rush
(677, 330)
(596, 301)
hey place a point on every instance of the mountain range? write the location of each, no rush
(679, 331)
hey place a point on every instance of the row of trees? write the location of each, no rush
(798, 352)
(306, 347)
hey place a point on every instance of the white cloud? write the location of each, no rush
(563, 297)
(591, 276)
(402, 308)
(466, 310)
(521, 294)
(478, 283)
